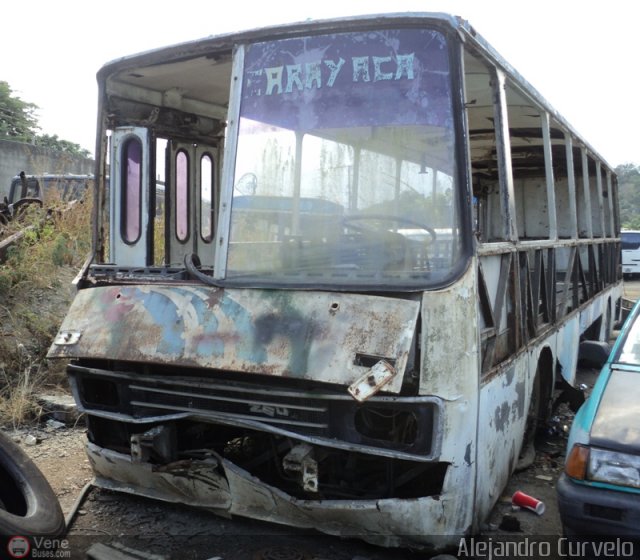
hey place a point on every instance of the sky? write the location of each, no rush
(583, 60)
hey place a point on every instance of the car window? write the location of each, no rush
(630, 351)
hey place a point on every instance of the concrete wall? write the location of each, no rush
(17, 156)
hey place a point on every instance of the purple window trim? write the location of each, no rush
(131, 191)
(182, 196)
(207, 184)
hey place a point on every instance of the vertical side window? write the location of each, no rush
(182, 196)
(483, 139)
(130, 224)
(533, 188)
(206, 197)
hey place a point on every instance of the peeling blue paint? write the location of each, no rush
(501, 417)
(165, 315)
(254, 331)
(518, 405)
(508, 377)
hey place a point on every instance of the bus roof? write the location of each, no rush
(156, 70)
(180, 51)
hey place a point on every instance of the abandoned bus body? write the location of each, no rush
(378, 251)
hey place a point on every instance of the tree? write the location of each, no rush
(17, 117)
(59, 145)
(19, 123)
(629, 195)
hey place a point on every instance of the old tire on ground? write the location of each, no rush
(28, 505)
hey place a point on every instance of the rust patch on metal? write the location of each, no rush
(293, 334)
(372, 381)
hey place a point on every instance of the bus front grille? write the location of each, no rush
(399, 426)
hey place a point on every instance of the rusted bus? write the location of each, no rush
(378, 249)
(48, 186)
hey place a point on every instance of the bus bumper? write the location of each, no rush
(219, 486)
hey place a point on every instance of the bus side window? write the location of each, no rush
(206, 196)
(487, 216)
(182, 196)
(131, 187)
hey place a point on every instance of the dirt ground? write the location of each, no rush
(172, 531)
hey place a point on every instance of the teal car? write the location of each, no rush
(599, 490)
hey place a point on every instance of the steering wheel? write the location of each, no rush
(400, 220)
(398, 249)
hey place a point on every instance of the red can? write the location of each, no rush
(524, 500)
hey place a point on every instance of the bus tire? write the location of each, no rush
(28, 505)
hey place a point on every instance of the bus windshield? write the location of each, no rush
(345, 164)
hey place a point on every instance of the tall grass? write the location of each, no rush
(35, 292)
(20, 379)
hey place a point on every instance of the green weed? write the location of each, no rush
(35, 293)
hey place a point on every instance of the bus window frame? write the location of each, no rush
(460, 173)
